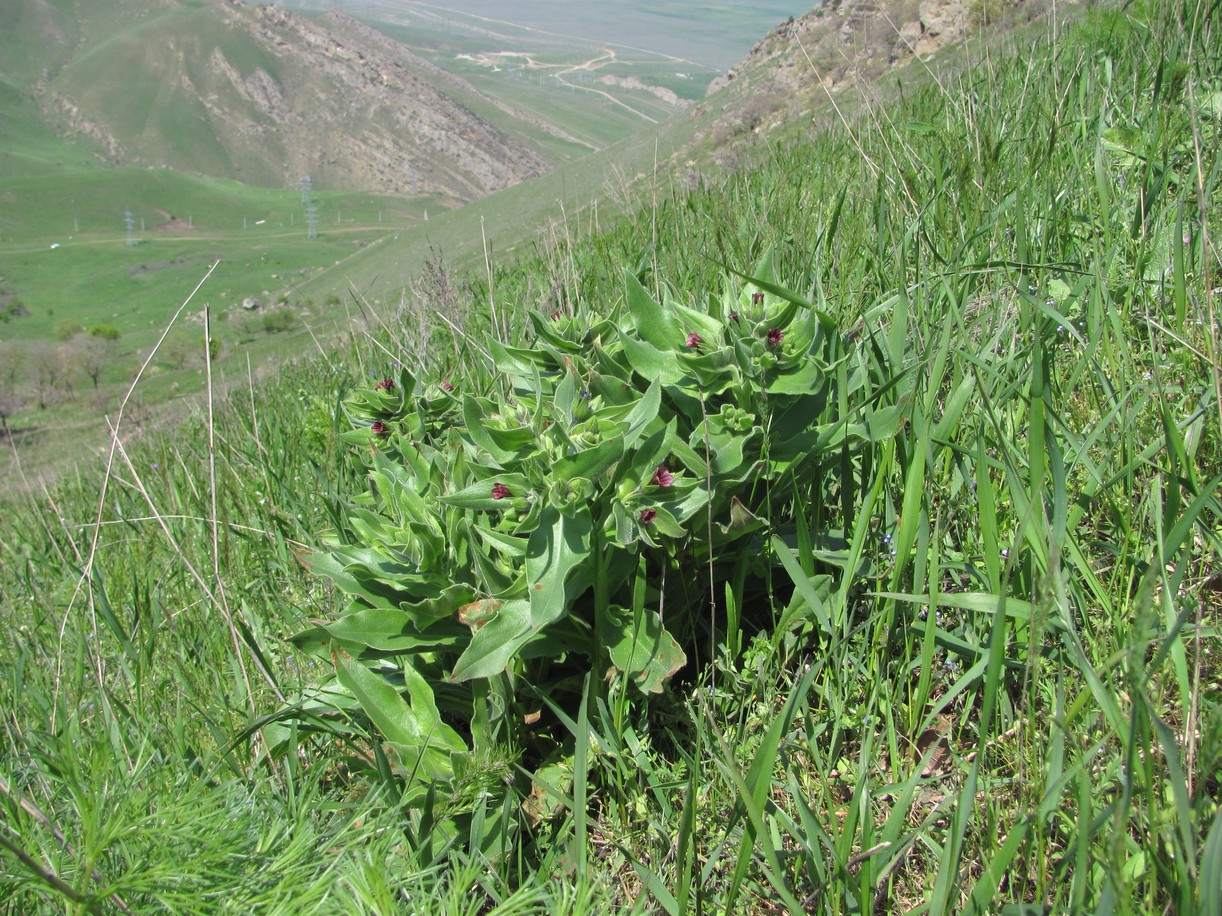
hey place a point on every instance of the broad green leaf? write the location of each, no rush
(713, 371)
(704, 324)
(806, 378)
(479, 495)
(474, 417)
(640, 647)
(417, 731)
(643, 414)
(654, 324)
(494, 644)
(390, 630)
(661, 366)
(551, 787)
(524, 362)
(559, 545)
(514, 441)
(591, 462)
(742, 523)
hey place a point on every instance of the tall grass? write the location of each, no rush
(982, 674)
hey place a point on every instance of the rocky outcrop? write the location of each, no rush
(842, 41)
(669, 96)
(368, 113)
(64, 111)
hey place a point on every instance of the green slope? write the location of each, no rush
(28, 146)
(967, 662)
(150, 81)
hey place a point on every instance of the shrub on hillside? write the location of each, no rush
(104, 332)
(13, 308)
(277, 321)
(65, 329)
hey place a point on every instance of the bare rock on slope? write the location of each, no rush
(839, 42)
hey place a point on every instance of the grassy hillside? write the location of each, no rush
(68, 267)
(238, 91)
(143, 80)
(938, 551)
(28, 146)
(63, 238)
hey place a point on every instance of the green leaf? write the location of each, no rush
(474, 417)
(551, 787)
(416, 730)
(714, 371)
(742, 523)
(643, 414)
(802, 583)
(479, 495)
(495, 642)
(704, 324)
(954, 409)
(565, 397)
(559, 545)
(805, 378)
(522, 362)
(654, 324)
(514, 441)
(640, 647)
(591, 462)
(389, 630)
(1211, 868)
(652, 363)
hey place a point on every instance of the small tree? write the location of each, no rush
(52, 373)
(12, 362)
(92, 353)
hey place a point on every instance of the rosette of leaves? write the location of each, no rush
(508, 528)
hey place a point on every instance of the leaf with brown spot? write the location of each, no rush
(478, 613)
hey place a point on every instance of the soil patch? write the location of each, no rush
(172, 223)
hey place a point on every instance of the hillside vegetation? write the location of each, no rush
(835, 534)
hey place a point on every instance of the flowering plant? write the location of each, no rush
(517, 531)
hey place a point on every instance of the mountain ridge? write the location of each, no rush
(268, 96)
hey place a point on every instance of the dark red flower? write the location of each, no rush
(648, 515)
(500, 491)
(757, 298)
(662, 477)
(694, 341)
(775, 336)
(447, 385)
(734, 317)
(378, 428)
(385, 385)
(554, 315)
